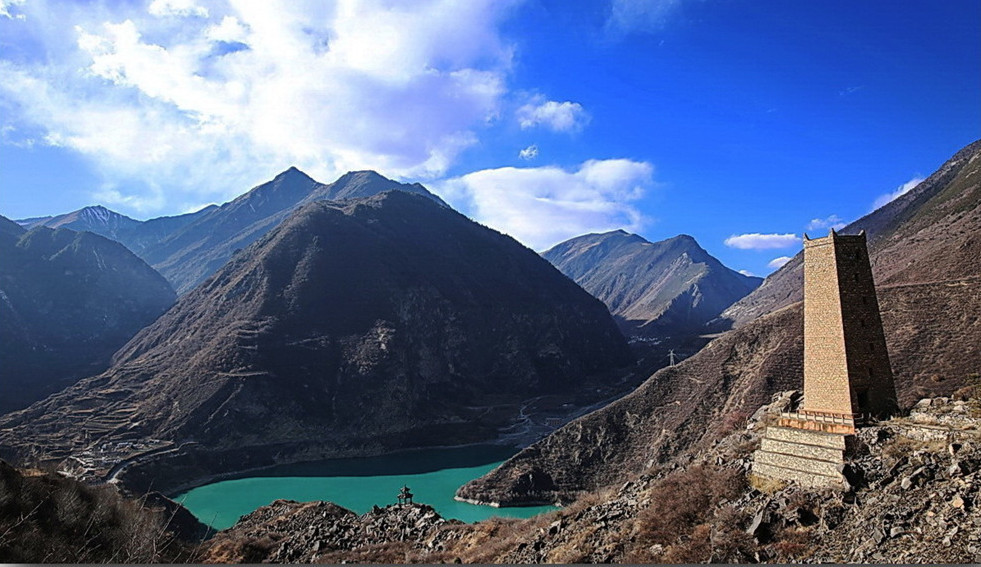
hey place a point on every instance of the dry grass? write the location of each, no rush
(49, 519)
(766, 484)
(682, 523)
(792, 544)
(901, 446)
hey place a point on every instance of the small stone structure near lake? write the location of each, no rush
(847, 377)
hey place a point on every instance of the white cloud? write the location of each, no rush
(757, 241)
(882, 200)
(207, 105)
(543, 206)
(747, 273)
(778, 262)
(181, 8)
(639, 15)
(529, 153)
(558, 116)
(6, 5)
(833, 221)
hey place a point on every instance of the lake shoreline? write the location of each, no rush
(360, 484)
(242, 473)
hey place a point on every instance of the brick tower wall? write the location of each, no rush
(870, 376)
(825, 362)
(846, 366)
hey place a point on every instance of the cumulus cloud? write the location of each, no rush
(747, 273)
(778, 262)
(6, 5)
(833, 221)
(757, 241)
(529, 153)
(231, 92)
(882, 200)
(557, 116)
(543, 206)
(182, 8)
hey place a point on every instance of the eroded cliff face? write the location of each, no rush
(354, 328)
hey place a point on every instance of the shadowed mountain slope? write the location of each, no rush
(68, 300)
(671, 287)
(355, 327)
(931, 318)
(136, 235)
(198, 249)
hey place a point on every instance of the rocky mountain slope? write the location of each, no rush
(198, 249)
(671, 287)
(354, 328)
(68, 301)
(46, 518)
(914, 500)
(928, 234)
(931, 333)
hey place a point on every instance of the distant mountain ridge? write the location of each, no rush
(652, 288)
(68, 300)
(188, 248)
(355, 327)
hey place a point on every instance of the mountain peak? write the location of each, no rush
(366, 182)
(293, 173)
(648, 286)
(362, 176)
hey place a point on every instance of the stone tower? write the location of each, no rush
(846, 367)
(847, 377)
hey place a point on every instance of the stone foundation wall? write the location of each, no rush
(808, 457)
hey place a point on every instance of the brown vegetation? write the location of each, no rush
(45, 518)
(680, 524)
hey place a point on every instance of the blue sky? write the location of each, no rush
(741, 122)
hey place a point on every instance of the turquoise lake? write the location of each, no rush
(433, 475)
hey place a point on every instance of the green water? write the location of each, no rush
(433, 475)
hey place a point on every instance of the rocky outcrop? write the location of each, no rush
(322, 532)
(355, 328)
(68, 301)
(672, 287)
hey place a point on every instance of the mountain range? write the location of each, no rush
(655, 289)
(924, 248)
(354, 327)
(68, 300)
(188, 248)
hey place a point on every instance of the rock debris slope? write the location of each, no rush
(354, 328)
